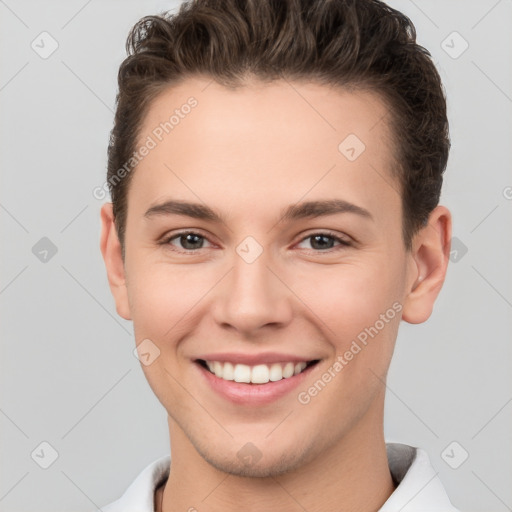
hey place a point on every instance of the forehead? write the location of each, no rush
(263, 109)
(277, 140)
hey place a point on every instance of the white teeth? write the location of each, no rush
(228, 372)
(217, 369)
(276, 372)
(288, 370)
(299, 367)
(242, 373)
(258, 374)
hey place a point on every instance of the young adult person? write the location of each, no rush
(275, 171)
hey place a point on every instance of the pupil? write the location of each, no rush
(318, 238)
(190, 239)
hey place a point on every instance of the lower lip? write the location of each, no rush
(253, 394)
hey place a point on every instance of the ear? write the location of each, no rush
(112, 255)
(430, 255)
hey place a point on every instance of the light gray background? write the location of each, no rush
(68, 374)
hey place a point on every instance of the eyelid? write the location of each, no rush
(166, 239)
(343, 240)
(327, 232)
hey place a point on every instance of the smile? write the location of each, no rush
(256, 374)
(253, 379)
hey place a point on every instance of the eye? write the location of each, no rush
(325, 241)
(191, 241)
(187, 240)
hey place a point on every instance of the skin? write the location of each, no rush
(248, 154)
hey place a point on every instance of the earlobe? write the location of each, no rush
(430, 253)
(112, 256)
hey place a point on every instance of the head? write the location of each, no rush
(311, 138)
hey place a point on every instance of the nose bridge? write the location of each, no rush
(252, 296)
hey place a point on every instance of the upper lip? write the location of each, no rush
(254, 359)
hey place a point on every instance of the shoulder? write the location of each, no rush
(418, 485)
(139, 496)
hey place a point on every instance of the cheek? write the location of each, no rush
(348, 298)
(358, 307)
(359, 312)
(165, 300)
(161, 295)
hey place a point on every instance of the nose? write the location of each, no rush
(252, 297)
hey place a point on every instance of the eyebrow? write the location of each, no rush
(307, 209)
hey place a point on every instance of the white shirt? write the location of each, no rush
(419, 488)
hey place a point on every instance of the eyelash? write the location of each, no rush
(343, 243)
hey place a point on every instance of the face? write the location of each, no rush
(263, 244)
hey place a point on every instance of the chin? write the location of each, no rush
(256, 466)
(263, 468)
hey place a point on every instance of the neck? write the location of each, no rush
(351, 475)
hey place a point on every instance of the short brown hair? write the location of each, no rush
(356, 44)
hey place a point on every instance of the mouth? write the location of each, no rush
(258, 374)
(257, 381)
